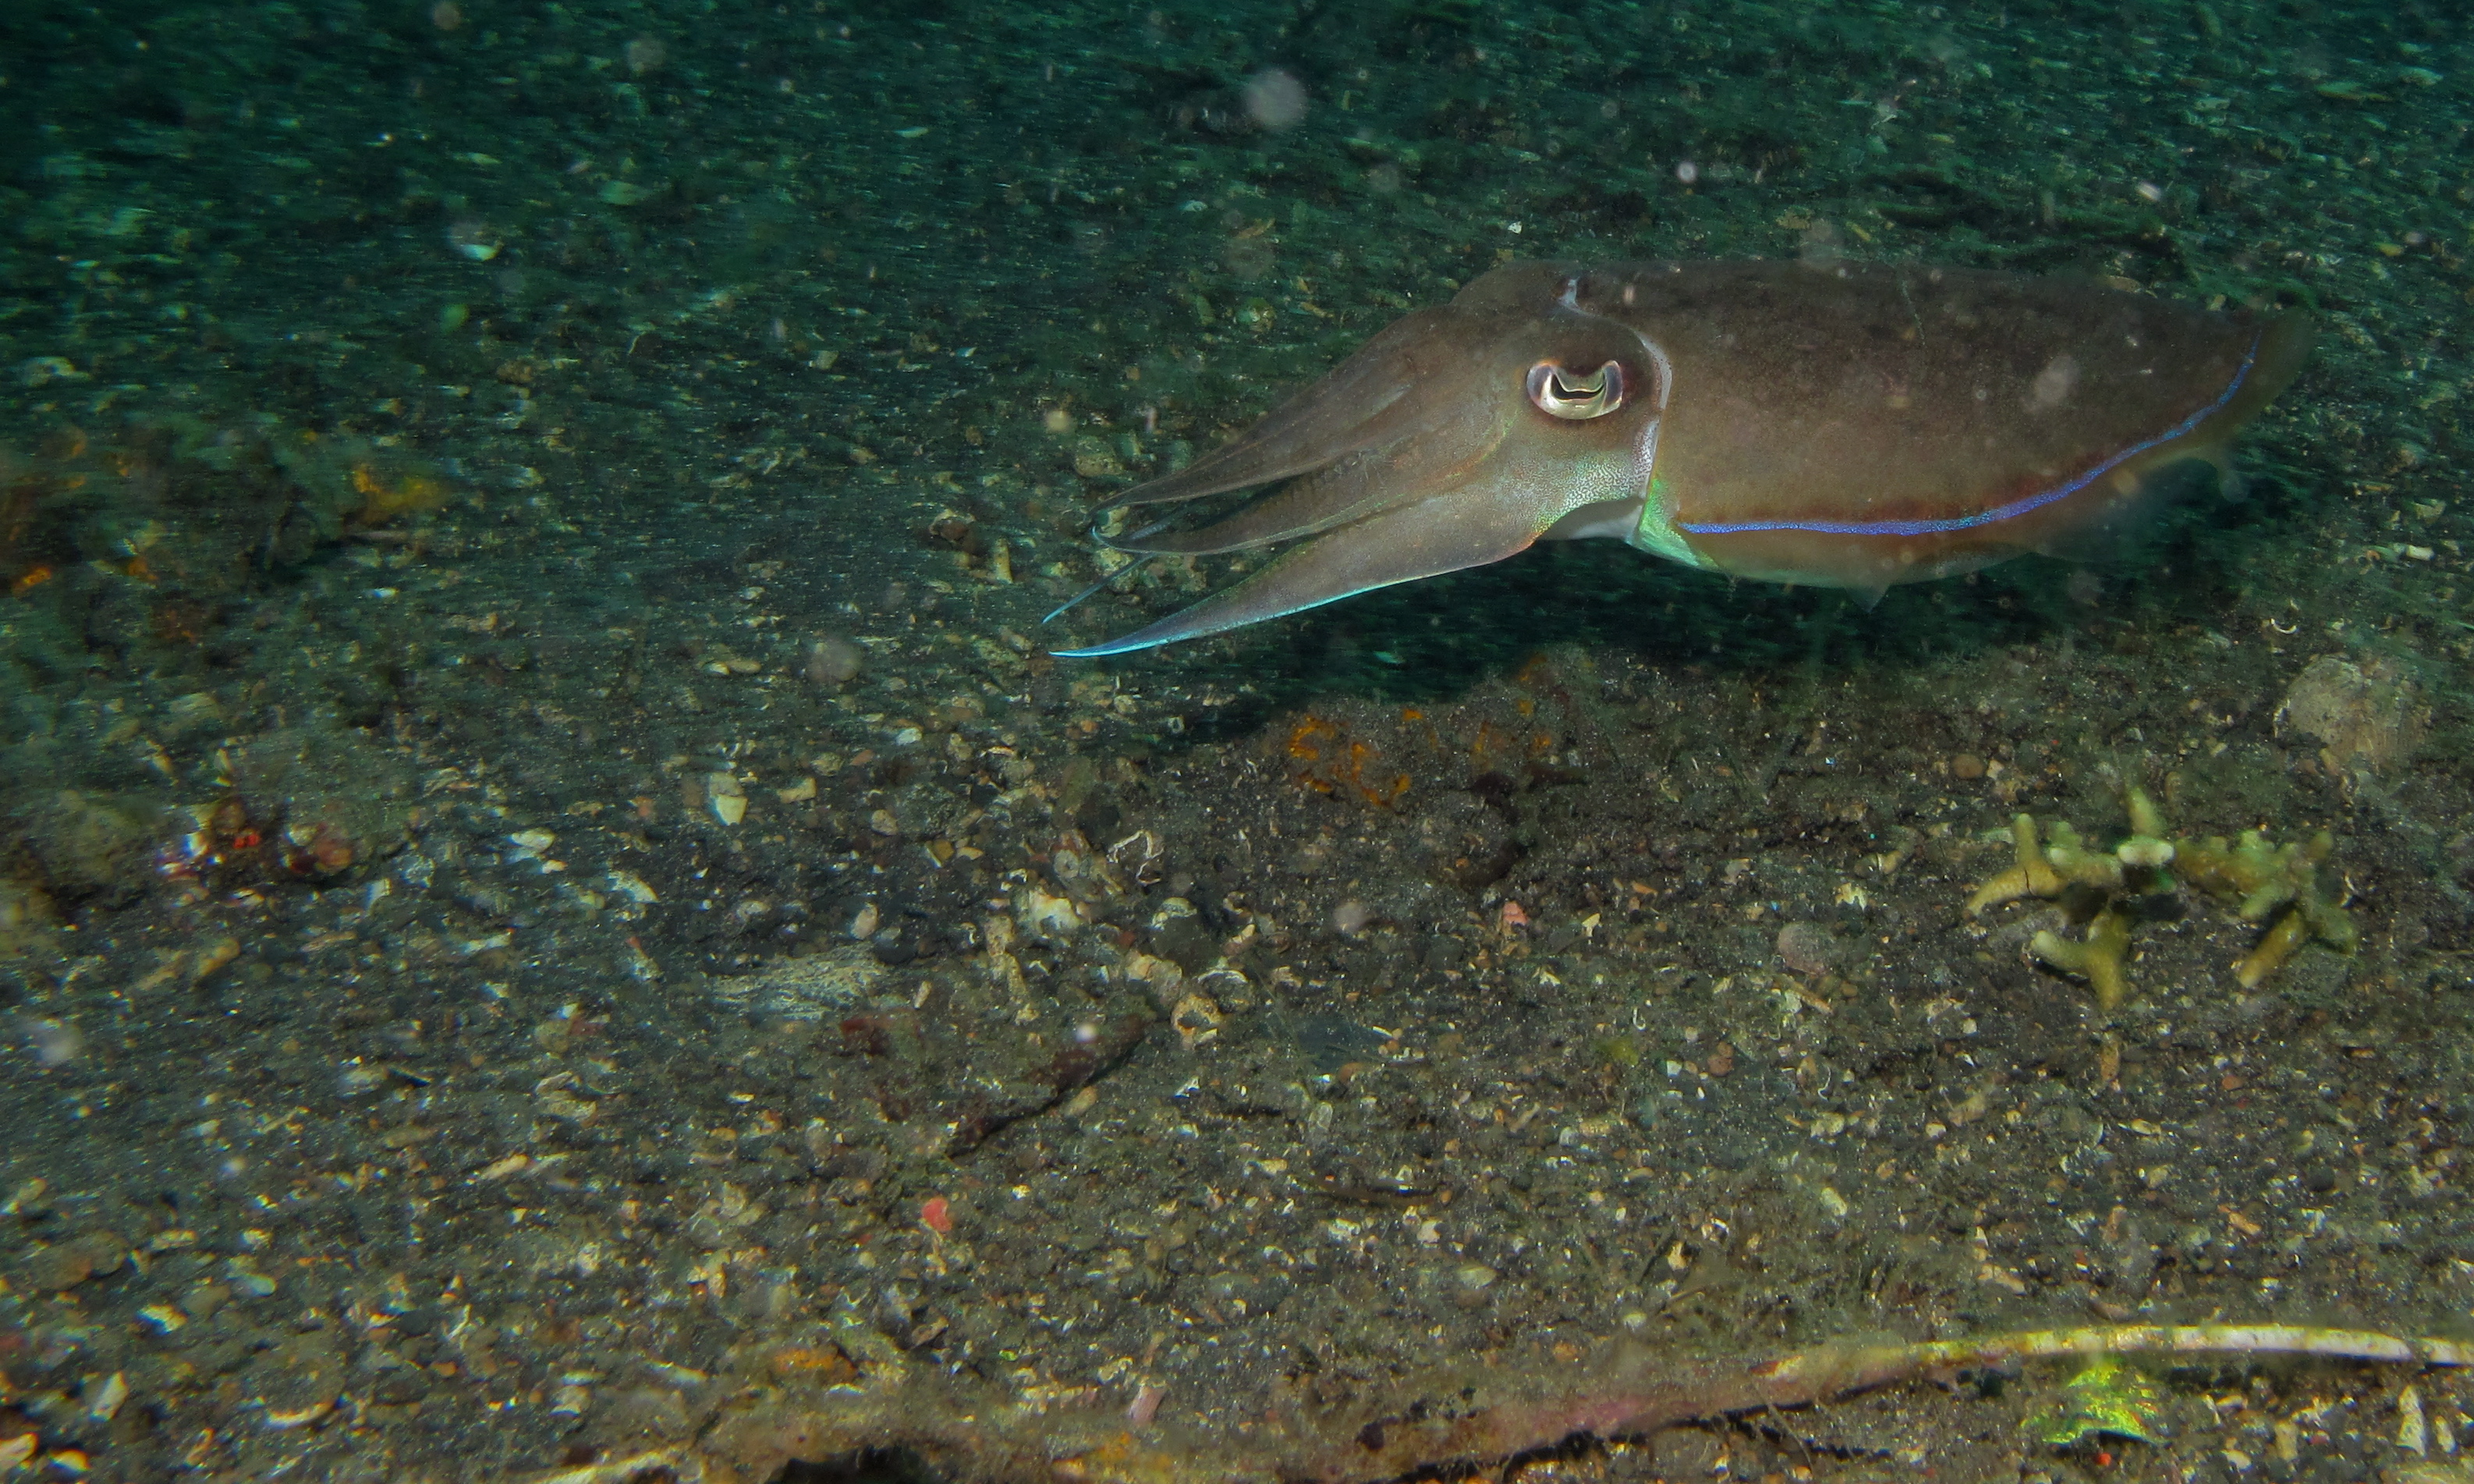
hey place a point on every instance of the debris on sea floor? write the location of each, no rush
(2272, 885)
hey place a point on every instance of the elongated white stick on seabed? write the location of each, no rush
(969, 1433)
(1646, 1398)
(2367, 1345)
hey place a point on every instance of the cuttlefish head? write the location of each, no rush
(1456, 437)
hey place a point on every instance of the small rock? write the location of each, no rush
(24, 910)
(1044, 916)
(343, 799)
(1182, 938)
(810, 985)
(104, 1394)
(1094, 459)
(89, 1254)
(647, 1411)
(2365, 714)
(834, 661)
(84, 842)
(1197, 1021)
(1165, 980)
(296, 1382)
(725, 797)
(1806, 948)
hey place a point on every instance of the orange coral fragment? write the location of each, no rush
(384, 499)
(1302, 740)
(1342, 767)
(823, 1363)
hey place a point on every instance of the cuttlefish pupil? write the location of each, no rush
(1560, 394)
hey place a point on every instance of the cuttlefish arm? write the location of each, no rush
(1410, 463)
(1853, 426)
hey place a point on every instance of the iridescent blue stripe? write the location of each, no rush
(1998, 513)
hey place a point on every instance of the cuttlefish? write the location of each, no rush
(1843, 426)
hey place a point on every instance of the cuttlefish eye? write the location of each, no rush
(1561, 393)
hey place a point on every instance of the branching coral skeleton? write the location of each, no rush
(2277, 886)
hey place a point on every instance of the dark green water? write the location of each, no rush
(558, 920)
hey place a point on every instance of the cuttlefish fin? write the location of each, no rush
(1394, 546)
(2125, 534)
(2190, 462)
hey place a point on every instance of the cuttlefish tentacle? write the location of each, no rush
(1851, 428)
(1447, 497)
(1363, 402)
(1356, 486)
(1406, 443)
(1446, 532)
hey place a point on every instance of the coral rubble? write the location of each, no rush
(2266, 884)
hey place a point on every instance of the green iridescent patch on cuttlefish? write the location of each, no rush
(1851, 426)
(1656, 532)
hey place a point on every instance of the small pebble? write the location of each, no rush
(834, 661)
(725, 796)
(67, 1264)
(1806, 948)
(1967, 765)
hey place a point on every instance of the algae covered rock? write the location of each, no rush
(83, 844)
(331, 798)
(2367, 715)
(25, 912)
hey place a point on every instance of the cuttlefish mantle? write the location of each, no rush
(1849, 426)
